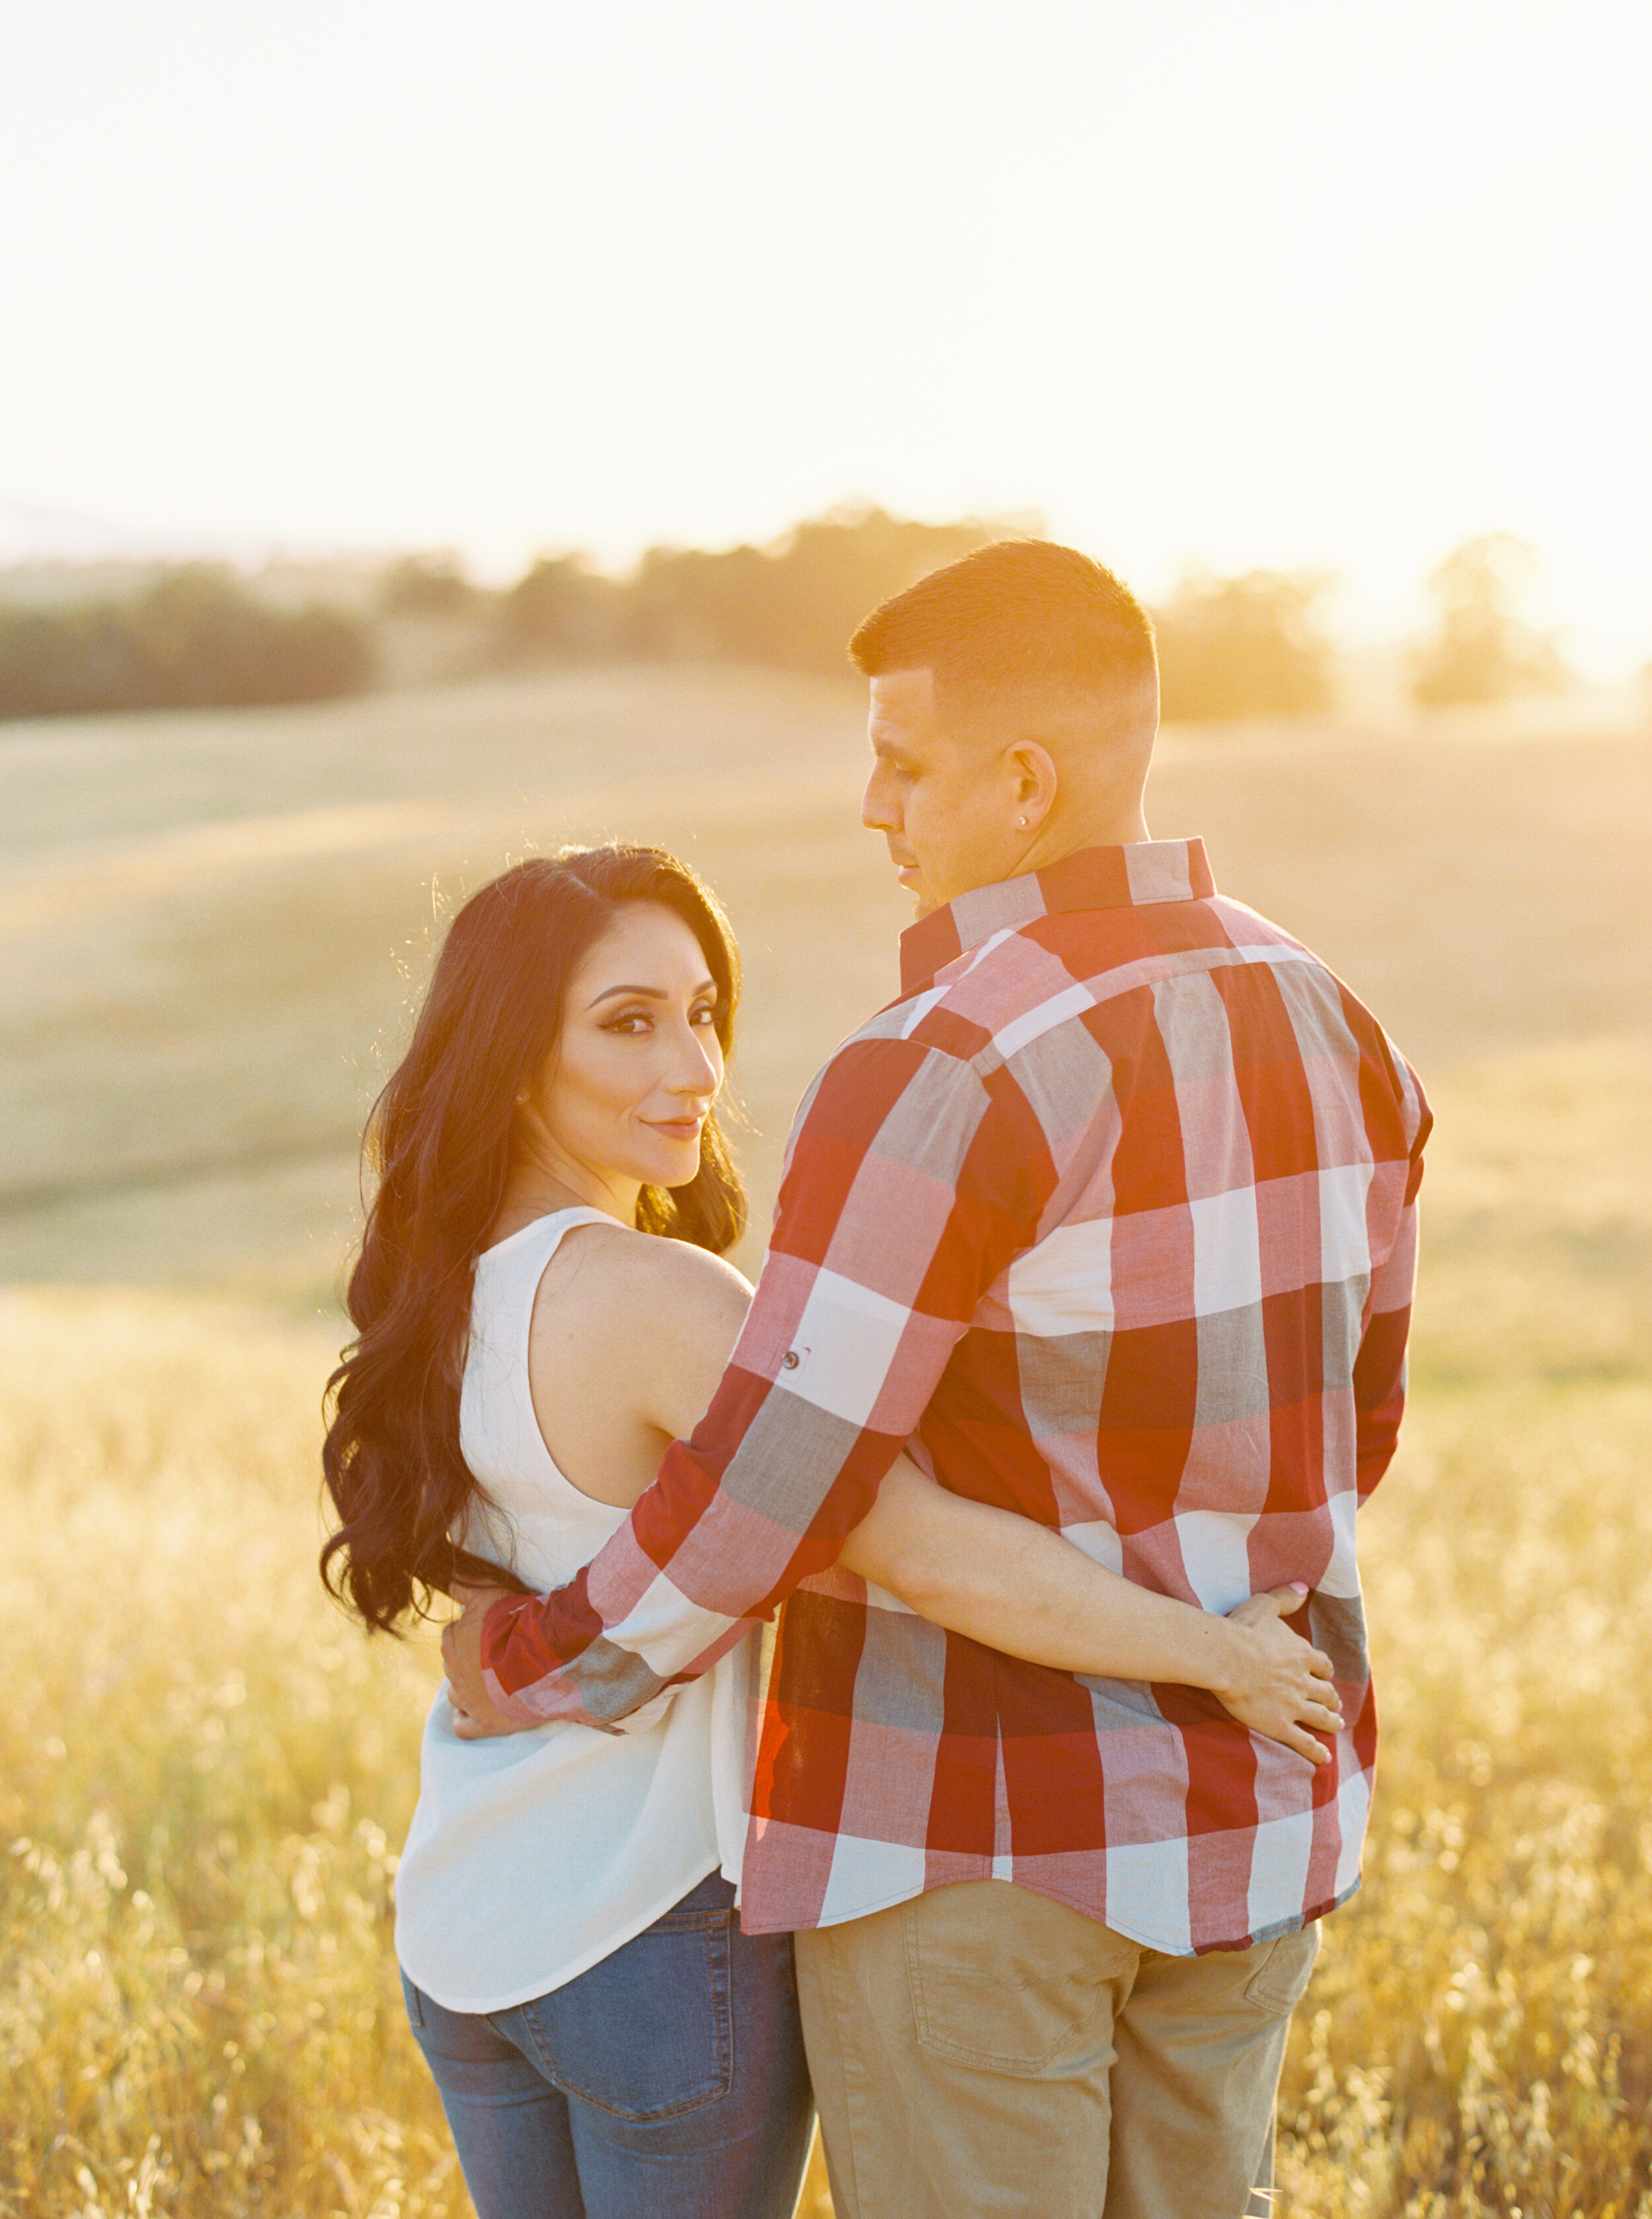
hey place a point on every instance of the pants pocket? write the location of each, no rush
(1277, 1985)
(999, 1981)
(648, 2034)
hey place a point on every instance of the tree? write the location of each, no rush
(562, 607)
(1244, 646)
(794, 604)
(193, 638)
(207, 643)
(829, 572)
(1484, 650)
(426, 586)
(77, 661)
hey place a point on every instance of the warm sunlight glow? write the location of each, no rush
(1274, 285)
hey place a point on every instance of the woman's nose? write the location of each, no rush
(700, 1068)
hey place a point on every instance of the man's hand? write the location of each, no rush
(474, 1717)
(1283, 1687)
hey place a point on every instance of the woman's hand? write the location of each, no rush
(1281, 1685)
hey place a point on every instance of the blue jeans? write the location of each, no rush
(669, 2082)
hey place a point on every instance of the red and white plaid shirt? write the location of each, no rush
(1111, 1219)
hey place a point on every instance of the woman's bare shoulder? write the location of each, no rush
(614, 1270)
(635, 1314)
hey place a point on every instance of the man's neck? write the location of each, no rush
(1123, 828)
(1047, 848)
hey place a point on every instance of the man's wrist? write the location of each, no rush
(498, 1622)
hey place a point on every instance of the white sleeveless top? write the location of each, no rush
(532, 1857)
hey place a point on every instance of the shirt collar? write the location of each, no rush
(1095, 878)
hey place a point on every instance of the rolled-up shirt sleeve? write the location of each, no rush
(910, 1181)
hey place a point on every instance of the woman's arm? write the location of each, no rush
(673, 1314)
(1017, 1586)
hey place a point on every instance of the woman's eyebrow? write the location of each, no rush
(648, 993)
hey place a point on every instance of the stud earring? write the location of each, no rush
(1022, 821)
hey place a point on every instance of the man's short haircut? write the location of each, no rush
(1018, 616)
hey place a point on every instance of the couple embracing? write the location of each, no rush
(1079, 1340)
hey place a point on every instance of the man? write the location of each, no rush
(1112, 1216)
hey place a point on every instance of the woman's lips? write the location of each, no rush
(678, 1128)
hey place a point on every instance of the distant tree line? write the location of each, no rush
(1250, 645)
(1227, 647)
(193, 638)
(791, 606)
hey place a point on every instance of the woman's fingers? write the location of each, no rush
(1317, 1705)
(1271, 1603)
(1314, 1751)
(1297, 1737)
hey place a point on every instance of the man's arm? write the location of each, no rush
(911, 1183)
(1380, 1367)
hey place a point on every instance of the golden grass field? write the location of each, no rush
(204, 1770)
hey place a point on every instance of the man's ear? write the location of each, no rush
(1036, 783)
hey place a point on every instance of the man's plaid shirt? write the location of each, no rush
(1111, 1219)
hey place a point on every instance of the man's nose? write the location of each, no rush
(876, 814)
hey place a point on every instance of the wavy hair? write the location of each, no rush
(439, 1141)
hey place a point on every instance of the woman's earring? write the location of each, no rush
(1022, 821)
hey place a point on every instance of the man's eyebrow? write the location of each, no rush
(647, 993)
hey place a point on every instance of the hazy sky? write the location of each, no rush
(1281, 282)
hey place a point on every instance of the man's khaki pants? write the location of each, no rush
(985, 2050)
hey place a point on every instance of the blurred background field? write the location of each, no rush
(210, 925)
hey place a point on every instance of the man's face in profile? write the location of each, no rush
(945, 804)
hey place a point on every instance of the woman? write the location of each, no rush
(605, 2041)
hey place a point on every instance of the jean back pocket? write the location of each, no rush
(649, 2032)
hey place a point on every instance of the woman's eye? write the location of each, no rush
(706, 1015)
(629, 1021)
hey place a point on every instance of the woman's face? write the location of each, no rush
(623, 1095)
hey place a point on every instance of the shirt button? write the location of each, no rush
(789, 1361)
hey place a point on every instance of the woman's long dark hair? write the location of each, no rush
(439, 1141)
